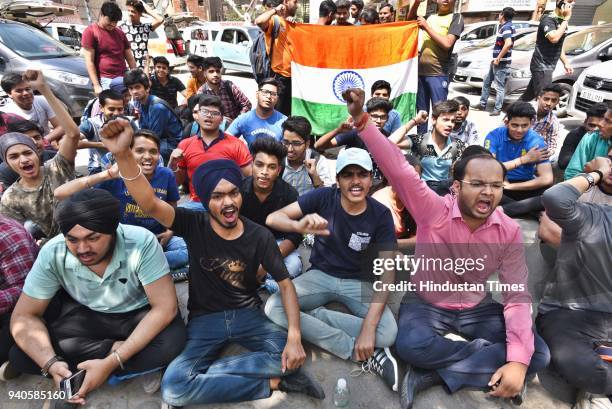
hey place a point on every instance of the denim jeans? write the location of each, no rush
(176, 253)
(197, 376)
(497, 76)
(330, 330)
(105, 82)
(421, 342)
(430, 91)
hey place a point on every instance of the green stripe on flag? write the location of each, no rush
(325, 117)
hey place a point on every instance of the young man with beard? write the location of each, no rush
(304, 169)
(281, 12)
(225, 251)
(137, 33)
(499, 349)
(98, 298)
(594, 116)
(265, 192)
(343, 13)
(575, 312)
(31, 197)
(106, 48)
(546, 122)
(210, 143)
(351, 228)
(35, 108)
(592, 145)
(164, 85)
(145, 147)
(155, 114)
(523, 152)
(356, 7)
(263, 121)
(233, 99)
(195, 64)
(327, 13)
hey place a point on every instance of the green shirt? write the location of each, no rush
(138, 260)
(591, 146)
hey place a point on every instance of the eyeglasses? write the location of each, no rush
(481, 185)
(267, 92)
(379, 117)
(295, 144)
(206, 112)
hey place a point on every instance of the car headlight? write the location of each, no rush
(524, 73)
(67, 77)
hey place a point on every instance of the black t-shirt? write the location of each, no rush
(569, 146)
(546, 54)
(223, 273)
(167, 92)
(282, 194)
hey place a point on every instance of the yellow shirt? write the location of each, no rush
(193, 85)
(434, 59)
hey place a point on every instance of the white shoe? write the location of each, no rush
(586, 400)
(151, 382)
(7, 372)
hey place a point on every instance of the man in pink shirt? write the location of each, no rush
(462, 241)
(106, 48)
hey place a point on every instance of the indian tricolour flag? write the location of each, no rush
(326, 60)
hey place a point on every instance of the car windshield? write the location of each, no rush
(526, 43)
(586, 40)
(31, 43)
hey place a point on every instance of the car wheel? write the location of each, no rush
(566, 93)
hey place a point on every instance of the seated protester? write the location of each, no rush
(6, 119)
(263, 120)
(500, 349)
(18, 252)
(594, 116)
(601, 194)
(93, 108)
(108, 302)
(24, 103)
(345, 135)
(225, 251)
(304, 168)
(464, 129)
(30, 198)
(265, 192)
(7, 175)
(592, 145)
(575, 313)
(382, 89)
(189, 116)
(368, 15)
(342, 13)
(164, 85)
(546, 123)
(523, 152)
(349, 229)
(145, 147)
(208, 144)
(233, 99)
(155, 114)
(405, 226)
(195, 64)
(111, 105)
(437, 149)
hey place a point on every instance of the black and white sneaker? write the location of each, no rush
(300, 382)
(384, 364)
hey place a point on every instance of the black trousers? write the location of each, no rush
(539, 80)
(522, 202)
(284, 99)
(571, 336)
(79, 334)
(6, 340)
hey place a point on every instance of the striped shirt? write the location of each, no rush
(504, 32)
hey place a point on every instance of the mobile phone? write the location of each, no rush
(70, 386)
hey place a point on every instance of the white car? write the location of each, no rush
(199, 37)
(592, 86)
(68, 33)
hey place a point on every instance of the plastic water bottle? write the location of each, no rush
(341, 394)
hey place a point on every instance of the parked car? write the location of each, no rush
(199, 37)
(233, 45)
(167, 40)
(592, 86)
(488, 43)
(67, 33)
(23, 47)
(476, 32)
(582, 47)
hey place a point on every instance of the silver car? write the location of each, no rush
(583, 49)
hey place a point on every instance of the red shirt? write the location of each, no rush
(109, 47)
(196, 152)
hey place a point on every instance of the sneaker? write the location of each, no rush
(151, 382)
(180, 274)
(8, 371)
(414, 382)
(518, 399)
(299, 382)
(384, 364)
(495, 113)
(271, 285)
(586, 400)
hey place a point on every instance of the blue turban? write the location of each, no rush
(207, 176)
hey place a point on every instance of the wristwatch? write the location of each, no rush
(589, 179)
(601, 176)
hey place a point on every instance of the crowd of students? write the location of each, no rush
(87, 263)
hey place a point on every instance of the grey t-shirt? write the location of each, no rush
(582, 277)
(546, 54)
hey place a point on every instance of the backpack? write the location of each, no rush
(260, 61)
(421, 149)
